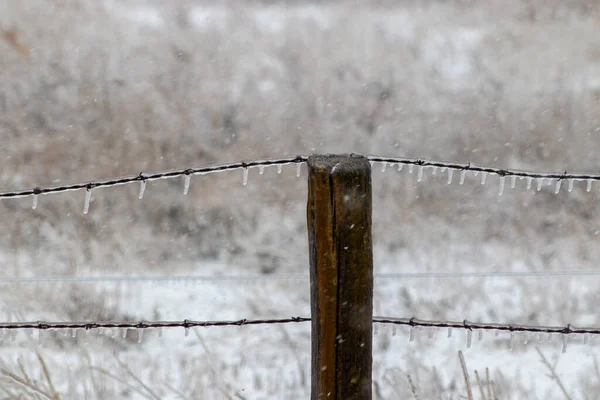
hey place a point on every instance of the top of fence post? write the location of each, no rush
(341, 274)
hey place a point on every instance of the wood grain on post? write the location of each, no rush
(341, 276)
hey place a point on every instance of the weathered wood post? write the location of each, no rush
(341, 276)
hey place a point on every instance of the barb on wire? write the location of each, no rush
(413, 322)
(144, 177)
(40, 325)
(502, 172)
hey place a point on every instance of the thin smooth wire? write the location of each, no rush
(414, 322)
(474, 168)
(151, 176)
(270, 277)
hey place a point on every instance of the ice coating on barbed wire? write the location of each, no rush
(245, 176)
(35, 201)
(142, 189)
(463, 174)
(86, 204)
(501, 187)
(186, 183)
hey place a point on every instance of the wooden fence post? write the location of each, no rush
(341, 276)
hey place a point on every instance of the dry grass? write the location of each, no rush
(97, 93)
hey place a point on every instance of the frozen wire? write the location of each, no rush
(411, 322)
(187, 324)
(151, 176)
(512, 328)
(490, 170)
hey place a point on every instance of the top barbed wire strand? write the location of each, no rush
(502, 172)
(150, 176)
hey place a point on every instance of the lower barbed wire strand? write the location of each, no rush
(410, 322)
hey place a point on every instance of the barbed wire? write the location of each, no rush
(414, 322)
(41, 325)
(411, 322)
(502, 172)
(513, 174)
(299, 276)
(151, 176)
(144, 177)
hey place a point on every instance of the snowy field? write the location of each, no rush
(95, 89)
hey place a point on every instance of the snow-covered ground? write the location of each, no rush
(110, 88)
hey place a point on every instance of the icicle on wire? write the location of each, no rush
(186, 183)
(450, 174)
(88, 197)
(35, 202)
(142, 189)
(501, 187)
(463, 174)
(420, 174)
(245, 176)
(298, 169)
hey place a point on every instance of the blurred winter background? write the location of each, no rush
(92, 89)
